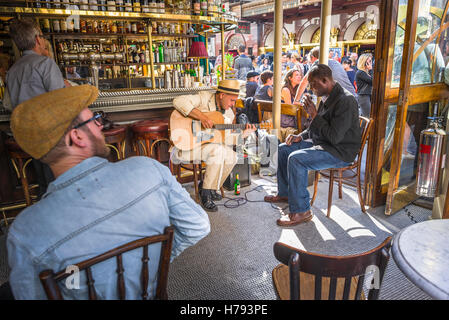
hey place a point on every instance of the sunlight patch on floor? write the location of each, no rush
(351, 226)
(289, 237)
(322, 230)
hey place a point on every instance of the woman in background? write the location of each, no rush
(290, 85)
(364, 82)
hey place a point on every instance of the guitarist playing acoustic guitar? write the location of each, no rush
(219, 158)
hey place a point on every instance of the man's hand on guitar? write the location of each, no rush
(249, 129)
(206, 122)
(292, 138)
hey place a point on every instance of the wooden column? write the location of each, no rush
(325, 30)
(278, 24)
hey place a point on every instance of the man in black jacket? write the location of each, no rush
(331, 141)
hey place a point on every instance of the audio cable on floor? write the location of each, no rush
(232, 203)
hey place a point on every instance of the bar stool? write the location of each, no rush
(116, 139)
(20, 160)
(149, 134)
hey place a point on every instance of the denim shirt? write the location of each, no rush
(92, 208)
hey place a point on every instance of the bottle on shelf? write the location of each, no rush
(161, 53)
(76, 24)
(83, 26)
(196, 7)
(128, 26)
(56, 26)
(93, 5)
(153, 6)
(203, 6)
(95, 26)
(84, 4)
(102, 5)
(114, 28)
(111, 5)
(45, 25)
(169, 6)
(161, 6)
(145, 6)
(119, 5)
(70, 25)
(120, 27)
(128, 5)
(211, 7)
(136, 6)
(46, 4)
(63, 25)
(90, 26)
(134, 27)
(57, 4)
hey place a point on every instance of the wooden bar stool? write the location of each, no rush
(20, 160)
(149, 134)
(197, 170)
(116, 140)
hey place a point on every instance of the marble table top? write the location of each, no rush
(421, 251)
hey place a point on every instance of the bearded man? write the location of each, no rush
(93, 205)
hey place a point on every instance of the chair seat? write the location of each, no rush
(150, 126)
(281, 280)
(114, 131)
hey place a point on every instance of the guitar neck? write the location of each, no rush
(232, 126)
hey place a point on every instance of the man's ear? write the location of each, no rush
(78, 138)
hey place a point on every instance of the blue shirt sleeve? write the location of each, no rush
(191, 222)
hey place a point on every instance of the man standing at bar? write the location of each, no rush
(219, 158)
(33, 74)
(93, 205)
(331, 141)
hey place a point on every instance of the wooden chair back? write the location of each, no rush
(287, 109)
(50, 280)
(333, 267)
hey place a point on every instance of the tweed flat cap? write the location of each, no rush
(39, 123)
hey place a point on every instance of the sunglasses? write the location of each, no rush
(98, 118)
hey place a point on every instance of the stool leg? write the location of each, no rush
(315, 187)
(195, 182)
(24, 182)
(331, 189)
(340, 184)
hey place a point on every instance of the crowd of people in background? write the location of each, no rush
(352, 72)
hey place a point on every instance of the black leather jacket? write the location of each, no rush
(336, 126)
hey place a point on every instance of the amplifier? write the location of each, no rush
(243, 169)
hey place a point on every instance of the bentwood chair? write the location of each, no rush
(352, 171)
(311, 276)
(50, 280)
(287, 109)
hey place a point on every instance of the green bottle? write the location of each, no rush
(161, 53)
(237, 185)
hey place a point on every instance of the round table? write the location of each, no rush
(421, 251)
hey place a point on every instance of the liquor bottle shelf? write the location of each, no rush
(85, 35)
(130, 64)
(217, 19)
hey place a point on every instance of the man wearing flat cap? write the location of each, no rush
(252, 83)
(219, 158)
(93, 205)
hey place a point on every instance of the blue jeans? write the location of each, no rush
(294, 161)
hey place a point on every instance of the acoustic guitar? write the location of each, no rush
(187, 133)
